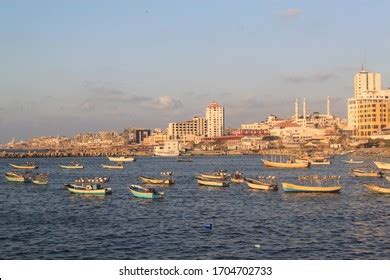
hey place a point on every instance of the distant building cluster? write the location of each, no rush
(368, 116)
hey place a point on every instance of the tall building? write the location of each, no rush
(135, 135)
(215, 117)
(178, 130)
(369, 108)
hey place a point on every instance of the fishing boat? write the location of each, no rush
(27, 165)
(156, 181)
(211, 182)
(261, 184)
(218, 175)
(351, 161)
(184, 159)
(118, 166)
(287, 164)
(314, 162)
(40, 179)
(141, 192)
(366, 173)
(17, 177)
(378, 189)
(89, 189)
(72, 165)
(121, 159)
(237, 178)
(288, 187)
(382, 165)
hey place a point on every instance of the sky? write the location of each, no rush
(77, 66)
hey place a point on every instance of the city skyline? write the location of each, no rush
(147, 64)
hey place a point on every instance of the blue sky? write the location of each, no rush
(74, 66)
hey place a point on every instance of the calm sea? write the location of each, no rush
(46, 222)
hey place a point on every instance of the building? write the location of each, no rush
(195, 127)
(215, 117)
(369, 108)
(135, 135)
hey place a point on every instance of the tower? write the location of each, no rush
(215, 118)
(328, 106)
(304, 108)
(296, 115)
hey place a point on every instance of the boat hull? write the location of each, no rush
(156, 181)
(211, 183)
(382, 165)
(358, 173)
(37, 182)
(353, 161)
(252, 184)
(212, 176)
(16, 179)
(121, 159)
(288, 187)
(71, 166)
(89, 192)
(146, 195)
(26, 167)
(237, 181)
(274, 164)
(378, 189)
(112, 166)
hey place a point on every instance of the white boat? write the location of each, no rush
(382, 165)
(351, 161)
(121, 159)
(169, 149)
(106, 166)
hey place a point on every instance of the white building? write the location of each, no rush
(180, 130)
(215, 117)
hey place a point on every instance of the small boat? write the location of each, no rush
(41, 179)
(261, 185)
(112, 166)
(382, 165)
(288, 164)
(17, 177)
(156, 181)
(72, 166)
(90, 189)
(214, 175)
(121, 159)
(288, 187)
(28, 165)
(211, 182)
(237, 178)
(184, 159)
(314, 162)
(351, 161)
(141, 192)
(365, 173)
(378, 189)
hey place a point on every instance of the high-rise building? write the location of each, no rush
(215, 117)
(369, 108)
(196, 127)
(135, 135)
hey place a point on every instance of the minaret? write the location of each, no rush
(328, 106)
(304, 108)
(296, 109)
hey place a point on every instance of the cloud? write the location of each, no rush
(165, 102)
(317, 77)
(290, 13)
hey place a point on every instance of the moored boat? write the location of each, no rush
(261, 184)
(90, 189)
(156, 181)
(40, 179)
(72, 165)
(17, 177)
(184, 159)
(218, 175)
(382, 165)
(237, 178)
(288, 187)
(377, 189)
(121, 159)
(27, 165)
(366, 173)
(119, 166)
(351, 161)
(211, 182)
(287, 164)
(141, 192)
(314, 162)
